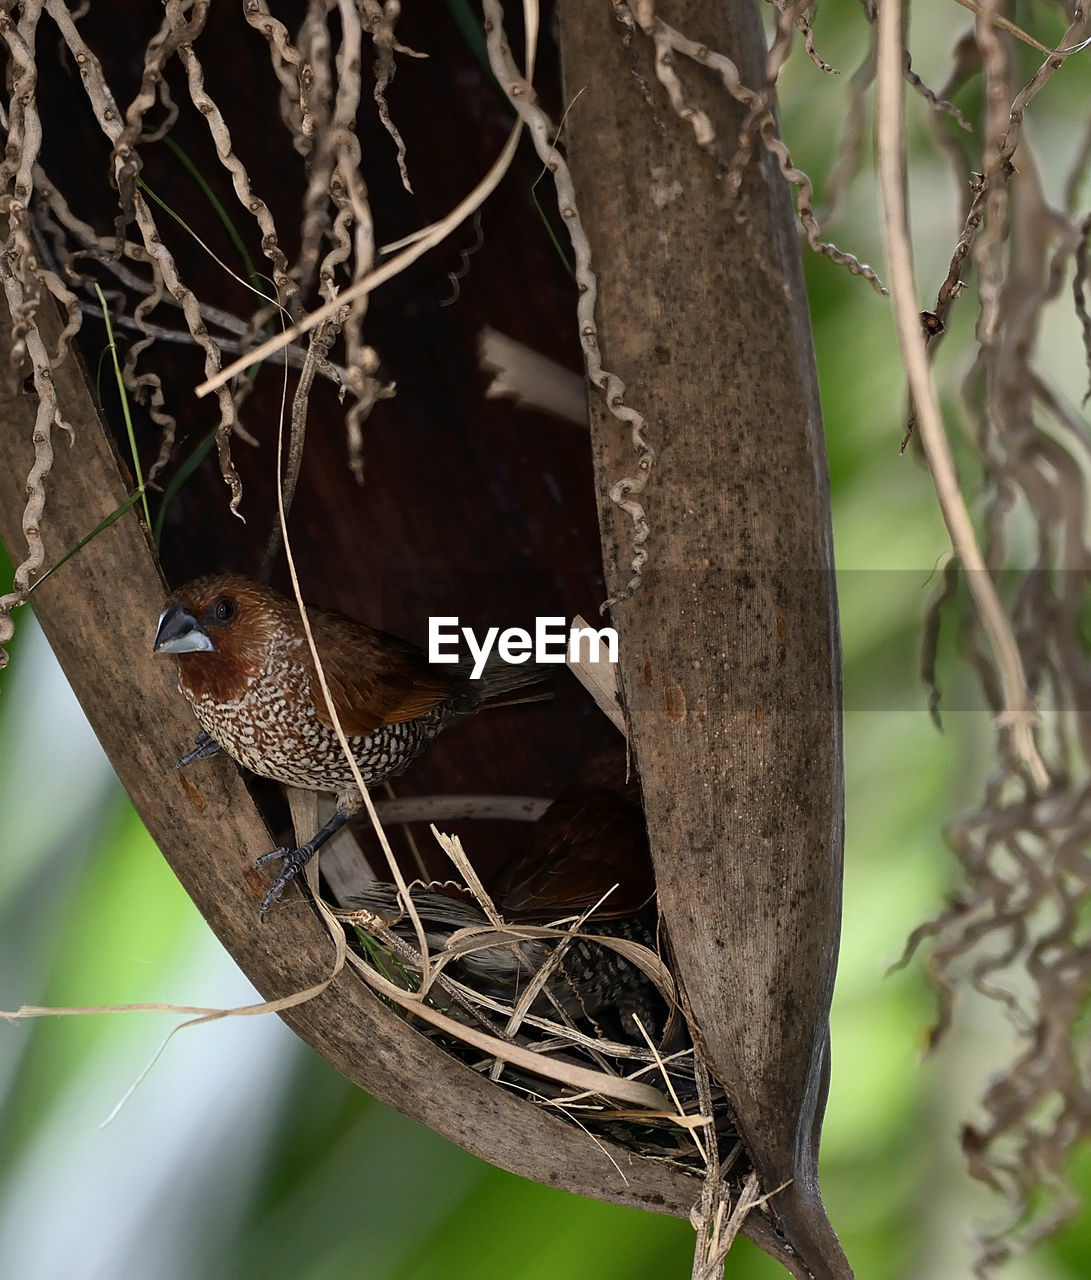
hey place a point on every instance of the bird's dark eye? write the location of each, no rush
(225, 609)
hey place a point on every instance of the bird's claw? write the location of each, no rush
(293, 862)
(206, 745)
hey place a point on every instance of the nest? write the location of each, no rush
(626, 1071)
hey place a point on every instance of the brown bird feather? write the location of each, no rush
(591, 841)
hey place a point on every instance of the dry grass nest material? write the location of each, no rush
(534, 1033)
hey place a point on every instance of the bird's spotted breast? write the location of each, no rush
(273, 730)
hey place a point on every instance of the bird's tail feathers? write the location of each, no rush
(499, 679)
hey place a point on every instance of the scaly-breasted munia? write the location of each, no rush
(589, 850)
(247, 670)
(592, 982)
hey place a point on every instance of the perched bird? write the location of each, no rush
(246, 668)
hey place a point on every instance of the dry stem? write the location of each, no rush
(1019, 716)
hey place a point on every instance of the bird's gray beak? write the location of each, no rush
(179, 633)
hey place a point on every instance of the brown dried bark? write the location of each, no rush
(730, 658)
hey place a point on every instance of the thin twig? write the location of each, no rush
(1019, 716)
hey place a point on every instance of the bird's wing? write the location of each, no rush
(374, 679)
(590, 840)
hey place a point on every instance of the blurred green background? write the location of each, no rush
(243, 1154)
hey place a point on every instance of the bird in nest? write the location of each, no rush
(247, 670)
(579, 922)
(587, 855)
(595, 973)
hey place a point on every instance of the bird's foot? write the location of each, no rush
(293, 862)
(206, 746)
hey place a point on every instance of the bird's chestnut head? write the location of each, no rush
(221, 628)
